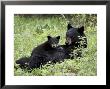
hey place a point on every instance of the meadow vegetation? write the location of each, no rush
(30, 31)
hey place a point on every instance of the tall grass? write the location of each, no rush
(32, 31)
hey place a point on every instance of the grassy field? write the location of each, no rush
(32, 31)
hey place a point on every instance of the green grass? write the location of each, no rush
(32, 31)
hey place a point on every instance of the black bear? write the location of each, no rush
(74, 36)
(51, 51)
(41, 54)
(75, 39)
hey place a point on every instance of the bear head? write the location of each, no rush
(76, 36)
(53, 41)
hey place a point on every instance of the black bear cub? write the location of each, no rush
(41, 54)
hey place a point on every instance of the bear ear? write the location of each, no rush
(69, 26)
(49, 37)
(81, 29)
(58, 37)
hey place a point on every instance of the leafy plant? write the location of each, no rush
(30, 31)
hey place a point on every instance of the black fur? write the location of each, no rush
(41, 54)
(75, 35)
(50, 51)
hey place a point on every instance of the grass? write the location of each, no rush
(32, 31)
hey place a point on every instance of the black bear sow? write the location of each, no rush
(40, 55)
(75, 40)
(76, 37)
